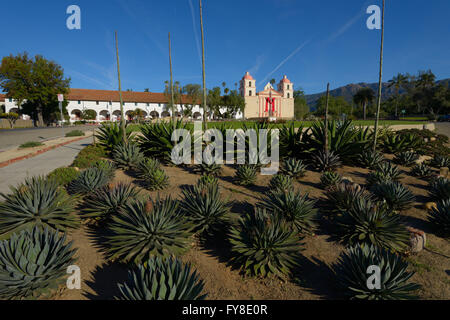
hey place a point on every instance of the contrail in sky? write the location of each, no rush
(194, 25)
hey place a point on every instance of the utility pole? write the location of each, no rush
(122, 116)
(171, 82)
(380, 83)
(203, 67)
(326, 117)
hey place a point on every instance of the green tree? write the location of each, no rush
(336, 106)
(398, 82)
(88, 114)
(12, 117)
(301, 108)
(363, 97)
(193, 93)
(38, 81)
(214, 101)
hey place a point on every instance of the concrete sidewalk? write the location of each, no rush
(40, 165)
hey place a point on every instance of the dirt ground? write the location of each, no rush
(313, 280)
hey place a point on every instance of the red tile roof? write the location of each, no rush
(127, 96)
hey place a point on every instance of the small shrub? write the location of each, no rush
(127, 156)
(330, 179)
(146, 166)
(385, 172)
(63, 176)
(89, 181)
(30, 144)
(107, 166)
(396, 143)
(440, 189)
(394, 194)
(370, 159)
(88, 156)
(75, 133)
(37, 202)
(440, 161)
(293, 168)
(422, 171)
(246, 174)
(297, 210)
(351, 272)
(367, 223)
(440, 217)
(326, 161)
(212, 169)
(162, 279)
(155, 180)
(207, 180)
(282, 183)
(341, 197)
(406, 158)
(265, 246)
(205, 208)
(33, 263)
(145, 229)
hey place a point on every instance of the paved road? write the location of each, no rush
(443, 128)
(15, 137)
(40, 165)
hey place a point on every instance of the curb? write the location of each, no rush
(30, 155)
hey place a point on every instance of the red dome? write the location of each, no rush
(285, 80)
(248, 76)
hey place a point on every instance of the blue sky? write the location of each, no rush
(313, 42)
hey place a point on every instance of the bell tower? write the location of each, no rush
(248, 86)
(286, 88)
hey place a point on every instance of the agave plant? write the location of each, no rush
(143, 229)
(440, 161)
(207, 180)
(127, 155)
(394, 194)
(156, 139)
(110, 135)
(205, 208)
(294, 141)
(264, 246)
(367, 223)
(351, 270)
(107, 166)
(89, 180)
(146, 166)
(37, 202)
(422, 171)
(340, 198)
(212, 169)
(406, 158)
(440, 189)
(107, 201)
(370, 159)
(33, 263)
(440, 217)
(330, 179)
(155, 180)
(326, 161)
(294, 168)
(162, 279)
(297, 210)
(280, 182)
(384, 172)
(246, 174)
(396, 143)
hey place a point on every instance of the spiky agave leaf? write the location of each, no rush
(330, 179)
(212, 169)
(89, 180)
(422, 171)
(107, 166)
(440, 189)
(33, 263)
(440, 217)
(143, 229)
(127, 155)
(395, 143)
(297, 210)
(107, 201)
(440, 161)
(162, 279)
(37, 202)
(280, 182)
(265, 246)
(367, 223)
(325, 161)
(385, 172)
(394, 194)
(246, 174)
(341, 197)
(207, 180)
(110, 135)
(155, 180)
(406, 158)
(351, 270)
(205, 208)
(146, 166)
(294, 168)
(370, 159)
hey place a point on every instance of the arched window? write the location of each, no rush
(249, 83)
(289, 95)
(288, 87)
(250, 93)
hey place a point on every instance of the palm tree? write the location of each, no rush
(398, 82)
(363, 97)
(426, 79)
(272, 82)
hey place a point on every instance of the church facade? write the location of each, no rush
(269, 103)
